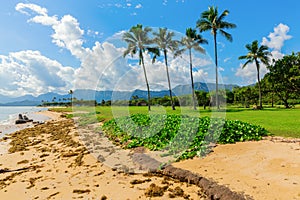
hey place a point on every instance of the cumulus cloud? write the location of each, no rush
(156, 72)
(103, 66)
(29, 72)
(67, 33)
(249, 73)
(275, 42)
(278, 37)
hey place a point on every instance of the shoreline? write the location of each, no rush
(6, 129)
(36, 116)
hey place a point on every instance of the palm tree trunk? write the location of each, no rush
(216, 61)
(272, 98)
(170, 89)
(147, 84)
(192, 80)
(259, 87)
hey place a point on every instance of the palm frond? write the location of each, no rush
(249, 47)
(179, 52)
(203, 25)
(210, 20)
(226, 35)
(256, 53)
(263, 48)
(247, 62)
(226, 25)
(265, 60)
(199, 49)
(243, 57)
(222, 16)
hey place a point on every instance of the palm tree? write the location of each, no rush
(165, 42)
(71, 93)
(192, 40)
(138, 42)
(255, 54)
(210, 20)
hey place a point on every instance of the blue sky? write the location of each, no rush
(54, 46)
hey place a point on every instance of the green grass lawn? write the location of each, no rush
(279, 121)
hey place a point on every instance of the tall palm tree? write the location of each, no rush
(210, 20)
(165, 42)
(138, 42)
(71, 93)
(256, 54)
(192, 40)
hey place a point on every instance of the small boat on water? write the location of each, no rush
(23, 119)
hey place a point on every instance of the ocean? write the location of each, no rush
(8, 114)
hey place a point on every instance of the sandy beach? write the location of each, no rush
(267, 169)
(54, 161)
(49, 162)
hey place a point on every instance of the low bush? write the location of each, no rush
(183, 136)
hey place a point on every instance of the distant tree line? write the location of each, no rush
(69, 102)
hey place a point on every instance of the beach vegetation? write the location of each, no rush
(174, 132)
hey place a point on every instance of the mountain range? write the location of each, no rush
(85, 94)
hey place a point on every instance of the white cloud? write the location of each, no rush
(221, 69)
(21, 7)
(68, 34)
(278, 37)
(227, 59)
(29, 72)
(275, 43)
(102, 66)
(44, 19)
(138, 6)
(156, 73)
(249, 73)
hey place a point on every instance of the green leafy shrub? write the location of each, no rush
(179, 134)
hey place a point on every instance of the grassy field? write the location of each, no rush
(279, 121)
